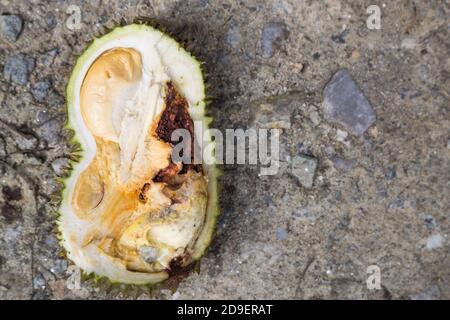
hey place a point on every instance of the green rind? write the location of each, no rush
(78, 152)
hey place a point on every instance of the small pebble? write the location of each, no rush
(345, 165)
(272, 35)
(391, 173)
(55, 100)
(281, 234)
(51, 20)
(41, 89)
(315, 118)
(48, 57)
(408, 44)
(346, 105)
(304, 168)
(17, 69)
(432, 293)
(10, 27)
(373, 132)
(429, 222)
(341, 135)
(435, 241)
(234, 37)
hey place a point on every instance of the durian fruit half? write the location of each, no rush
(128, 212)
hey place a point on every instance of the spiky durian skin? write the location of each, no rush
(79, 147)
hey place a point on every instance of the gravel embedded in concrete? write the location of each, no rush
(10, 27)
(273, 34)
(346, 105)
(304, 168)
(41, 89)
(17, 69)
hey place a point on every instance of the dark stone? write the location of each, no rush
(10, 213)
(269, 201)
(382, 192)
(51, 20)
(55, 100)
(103, 18)
(274, 111)
(398, 203)
(281, 234)
(432, 293)
(10, 27)
(272, 35)
(17, 69)
(346, 105)
(403, 93)
(429, 222)
(12, 194)
(391, 173)
(234, 37)
(340, 38)
(345, 165)
(47, 58)
(41, 89)
(50, 132)
(357, 194)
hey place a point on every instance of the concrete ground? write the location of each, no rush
(377, 199)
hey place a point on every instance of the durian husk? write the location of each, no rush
(77, 153)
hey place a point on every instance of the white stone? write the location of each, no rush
(408, 44)
(435, 241)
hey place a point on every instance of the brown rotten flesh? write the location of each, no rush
(146, 210)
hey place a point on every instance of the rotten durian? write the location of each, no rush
(129, 213)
